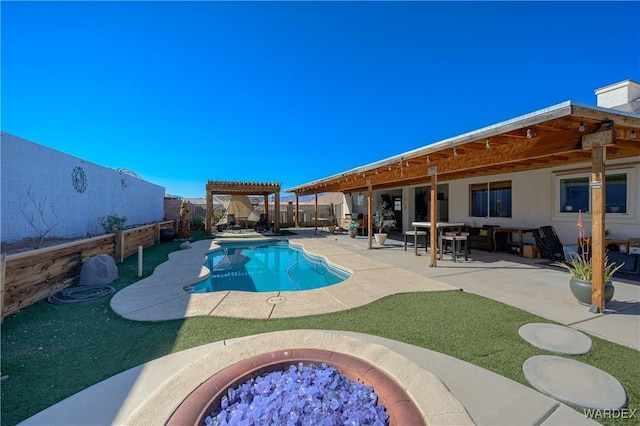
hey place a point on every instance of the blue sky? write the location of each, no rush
(290, 92)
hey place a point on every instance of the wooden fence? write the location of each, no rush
(127, 241)
(34, 275)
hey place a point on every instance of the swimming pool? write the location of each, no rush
(266, 267)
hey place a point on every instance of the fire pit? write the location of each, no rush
(206, 398)
(201, 376)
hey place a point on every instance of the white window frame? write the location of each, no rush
(613, 217)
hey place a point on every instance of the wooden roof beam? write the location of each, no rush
(600, 116)
(476, 146)
(628, 144)
(628, 135)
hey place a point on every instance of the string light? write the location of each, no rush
(581, 127)
(529, 134)
(633, 134)
(455, 152)
(428, 159)
(487, 144)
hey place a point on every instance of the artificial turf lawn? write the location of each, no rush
(50, 352)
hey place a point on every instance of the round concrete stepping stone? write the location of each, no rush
(556, 338)
(574, 382)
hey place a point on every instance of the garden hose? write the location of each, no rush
(80, 294)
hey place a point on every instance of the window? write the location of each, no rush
(575, 193)
(358, 203)
(490, 199)
(616, 193)
(423, 203)
(479, 200)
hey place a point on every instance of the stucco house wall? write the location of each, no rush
(80, 192)
(534, 202)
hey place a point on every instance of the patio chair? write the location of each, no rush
(549, 244)
(363, 224)
(456, 244)
(263, 223)
(232, 224)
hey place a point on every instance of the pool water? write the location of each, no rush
(266, 267)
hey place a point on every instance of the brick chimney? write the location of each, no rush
(623, 96)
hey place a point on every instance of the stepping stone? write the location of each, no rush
(574, 382)
(556, 338)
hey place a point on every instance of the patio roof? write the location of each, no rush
(542, 139)
(563, 134)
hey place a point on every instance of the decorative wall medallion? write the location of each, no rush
(79, 179)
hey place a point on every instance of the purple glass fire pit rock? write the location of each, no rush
(303, 395)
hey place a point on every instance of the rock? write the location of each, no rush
(98, 270)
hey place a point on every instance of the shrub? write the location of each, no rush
(112, 223)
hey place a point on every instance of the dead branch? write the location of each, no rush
(39, 223)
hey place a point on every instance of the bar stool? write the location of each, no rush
(415, 235)
(459, 244)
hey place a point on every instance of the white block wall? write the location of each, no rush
(47, 174)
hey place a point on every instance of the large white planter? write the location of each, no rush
(380, 238)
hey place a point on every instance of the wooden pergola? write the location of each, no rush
(242, 188)
(564, 134)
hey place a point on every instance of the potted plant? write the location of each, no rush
(353, 228)
(382, 218)
(198, 223)
(580, 268)
(616, 207)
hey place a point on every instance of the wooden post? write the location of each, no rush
(276, 219)
(297, 216)
(119, 246)
(208, 231)
(597, 228)
(3, 267)
(315, 219)
(266, 209)
(433, 172)
(156, 232)
(597, 143)
(369, 213)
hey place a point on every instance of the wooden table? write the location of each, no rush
(440, 226)
(243, 220)
(520, 232)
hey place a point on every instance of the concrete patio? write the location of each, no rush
(528, 284)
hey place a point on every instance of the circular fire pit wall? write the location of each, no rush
(206, 398)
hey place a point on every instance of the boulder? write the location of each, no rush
(98, 270)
